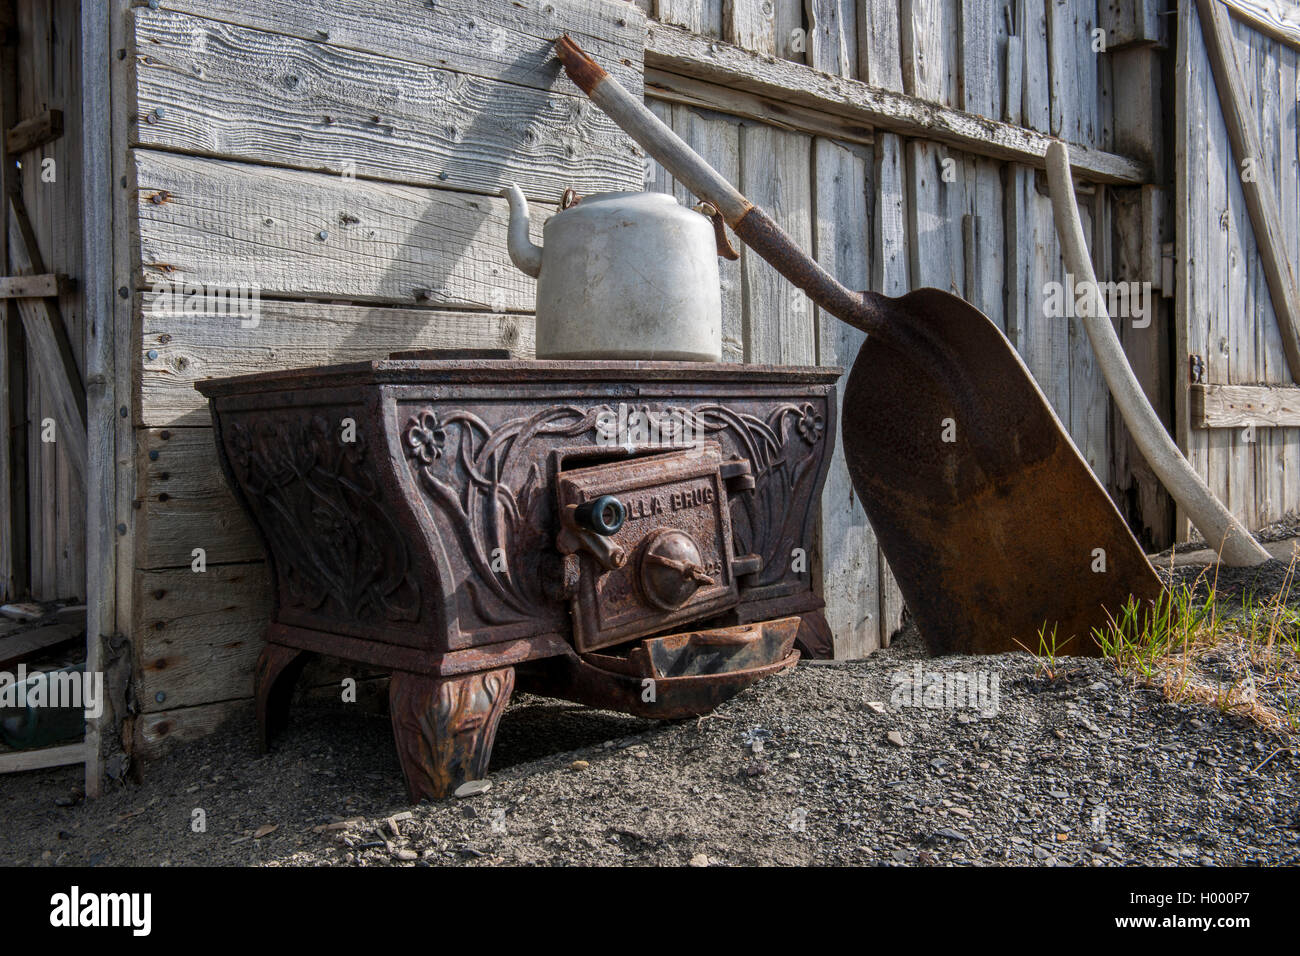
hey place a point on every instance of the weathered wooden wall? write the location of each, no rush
(1226, 325)
(347, 160)
(892, 213)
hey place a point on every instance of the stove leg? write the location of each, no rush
(277, 670)
(814, 640)
(445, 726)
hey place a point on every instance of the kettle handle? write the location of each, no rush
(725, 249)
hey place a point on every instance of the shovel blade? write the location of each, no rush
(995, 527)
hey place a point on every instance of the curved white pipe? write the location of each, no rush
(1222, 532)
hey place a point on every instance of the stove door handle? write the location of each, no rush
(603, 515)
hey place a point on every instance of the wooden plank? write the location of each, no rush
(23, 646)
(775, 168)
(986, 257)
(1191, 291)
(221, 90)
(41, 286)
(1288, 179)
(186, 503)
(99, 615)
(1237, 406)
(312, 235)
(935, 208)
(19, 760)
(1279, 20)
(1089, 396)
(1260, 195)
(983, 58)
(889, 274)
(48, 342)
(676, 51)
(34, 132)
(156, 735)
(928, 31)
(199, 634)
(699, 16)
(188, 347)
(671, 88)
(879, 48)
(509, 42)
(750, 24)
(1036, 110)
(13, 465)
(848, 555)
(832, 36)
(788, 28)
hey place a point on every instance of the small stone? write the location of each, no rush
(1196, 724)
(472, 788)
(1062, 837)
(1058, 794)
(406, 856)
(266, 829)
(756, 746)
(699, 859)
(1040, 853)
(579, 765)
(793, 755)
(951, 834)
(895, 738)
(876, 706)
(962, 812)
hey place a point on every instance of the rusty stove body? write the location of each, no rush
(623, 534)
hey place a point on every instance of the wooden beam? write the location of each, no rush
(47, 340)
(1237, 406)
(44, 286)
(671, 88)
(1256, 187)
(1281, 21)
(34, 133)
(22, 646)
(21, 760)
(671, 50)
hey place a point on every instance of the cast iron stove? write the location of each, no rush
(630, 535)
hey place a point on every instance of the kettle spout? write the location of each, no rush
(524, 253)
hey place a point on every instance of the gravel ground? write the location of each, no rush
(801, 769)
(841, 763)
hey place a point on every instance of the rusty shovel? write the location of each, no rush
(998, 533)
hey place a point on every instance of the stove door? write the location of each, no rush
(653, 537)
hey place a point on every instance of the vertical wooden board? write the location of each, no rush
(775, 168)
(1288, 439)
(889, 245)
(1088, 127)
(983, 57)
(984, 201)
(1088, 396)
(847, 548)
(1036, 108)
(879, 45)
(1264, 75)
(1223, 322)
(889, 275)
(1065, 82)
(929, 37)
(1192, 232)
(936, 204)
(716, 137)
(658, 179)
(832, 36)
(788, 25)
(1043, 339)
(699, 16)
(750, 24)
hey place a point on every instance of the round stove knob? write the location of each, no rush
(672, 568)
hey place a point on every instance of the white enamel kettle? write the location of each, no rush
(623, 276)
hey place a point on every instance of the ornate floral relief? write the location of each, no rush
(336, 548)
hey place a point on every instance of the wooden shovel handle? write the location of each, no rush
(754, 226)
